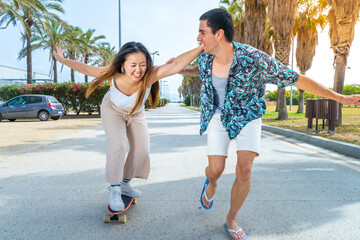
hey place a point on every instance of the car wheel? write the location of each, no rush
(43, 115)
(12, 119)
(55, 118)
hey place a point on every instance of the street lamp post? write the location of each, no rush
(292, 67)
(119, 24)
(153, 60)
(167, 90)
(153, 56)
(164, 88)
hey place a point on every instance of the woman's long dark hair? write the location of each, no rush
(115, 67)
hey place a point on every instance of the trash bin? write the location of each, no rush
(321, 108)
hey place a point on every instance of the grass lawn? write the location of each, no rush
(348, 132)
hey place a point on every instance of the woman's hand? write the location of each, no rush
(78, 66)
(58, 54)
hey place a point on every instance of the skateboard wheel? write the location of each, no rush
(107, 219)
(122, 219)
(134, 201)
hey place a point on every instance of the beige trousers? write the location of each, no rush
(121, 128)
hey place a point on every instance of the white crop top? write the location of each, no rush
(121, 100)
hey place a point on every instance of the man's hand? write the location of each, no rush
(170, 61)
(58, 54)
(350, 100)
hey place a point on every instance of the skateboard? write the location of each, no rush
(118, 215)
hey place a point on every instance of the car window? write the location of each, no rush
(34, 99)
(53, 100)
(17, 101)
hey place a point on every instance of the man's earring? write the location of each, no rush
(122, 70)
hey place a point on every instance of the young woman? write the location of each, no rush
(132, 80)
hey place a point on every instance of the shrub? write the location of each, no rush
(187, 101)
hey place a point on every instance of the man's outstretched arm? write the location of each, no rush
(307, 84)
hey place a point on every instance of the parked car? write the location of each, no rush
(31, 106)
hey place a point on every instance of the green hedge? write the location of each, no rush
(70, 95)
(161, 102)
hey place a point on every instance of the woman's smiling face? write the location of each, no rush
(135, 66)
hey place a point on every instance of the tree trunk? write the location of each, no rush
(55, 70)
(342, 18)
(277, 100)
(72, 75)
(301, 102)
(86, 61)
(283, 115)
(301, 98)
(282, 51)
(29, 58)
(72, 72)
(339, 86)
(255, 24)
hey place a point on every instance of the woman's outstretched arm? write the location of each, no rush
(192, 71)
(76, 65)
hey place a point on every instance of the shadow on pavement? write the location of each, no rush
(71, 206)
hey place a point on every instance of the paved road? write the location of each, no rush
(56, 189)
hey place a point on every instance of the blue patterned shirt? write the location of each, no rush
(244, 99)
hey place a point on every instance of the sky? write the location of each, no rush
(169, 27)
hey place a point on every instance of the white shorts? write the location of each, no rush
(218, 139)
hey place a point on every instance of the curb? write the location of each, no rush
(337, 146)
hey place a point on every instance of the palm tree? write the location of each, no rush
(342, 18)
(2, 7)
(188, 88)
(236, 10)
(72, 43)
(47, 41)
(105, 55)
(31, 14)
(191, 86)
(282, 17)
(250, 23)
(89, 46)
(194, 84)
(309, 17)
(255, 26)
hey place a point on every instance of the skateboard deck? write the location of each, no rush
(118, 215)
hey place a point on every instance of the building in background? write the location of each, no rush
(9, 76)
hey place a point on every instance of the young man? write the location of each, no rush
(232, 103)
